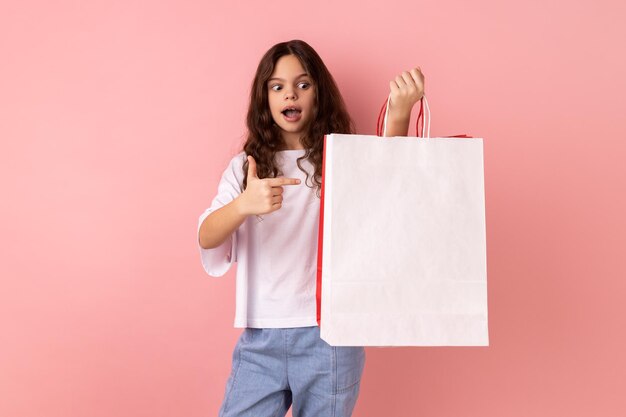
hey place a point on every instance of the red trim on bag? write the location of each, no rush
(420, 116)
(380, 114)
(320, 240)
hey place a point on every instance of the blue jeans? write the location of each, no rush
(274, 367)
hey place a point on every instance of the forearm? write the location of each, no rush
(220, 224)
(398, 125)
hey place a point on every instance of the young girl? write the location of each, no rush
(265, 216)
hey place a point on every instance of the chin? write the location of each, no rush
(291, 129)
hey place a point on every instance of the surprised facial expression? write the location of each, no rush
(291, 96)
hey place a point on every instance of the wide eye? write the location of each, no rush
(277, 87)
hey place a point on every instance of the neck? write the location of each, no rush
(291, 142)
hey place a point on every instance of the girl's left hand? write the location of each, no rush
(406, 90)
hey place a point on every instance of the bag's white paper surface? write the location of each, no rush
(404, 247)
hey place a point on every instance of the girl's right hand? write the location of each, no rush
(263, 195)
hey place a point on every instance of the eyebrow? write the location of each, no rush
(280, 79)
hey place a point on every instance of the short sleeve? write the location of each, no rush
(217, 261)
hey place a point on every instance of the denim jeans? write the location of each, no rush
(273, 368)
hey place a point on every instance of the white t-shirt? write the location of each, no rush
(276, 256)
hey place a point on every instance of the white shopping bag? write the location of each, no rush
(402, 247)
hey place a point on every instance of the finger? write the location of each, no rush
(408, 79)
(393, 86)
(251, 167)
(277, 199)
(400, 81)
(274, 182)
(277, 191)
(417, 75)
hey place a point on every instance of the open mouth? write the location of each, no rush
(292, 114)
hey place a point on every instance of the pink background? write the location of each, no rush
(118, 117)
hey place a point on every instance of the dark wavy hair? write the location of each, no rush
(329, 116)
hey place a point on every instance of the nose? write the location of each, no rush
(290, 93)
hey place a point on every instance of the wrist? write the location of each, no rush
(399, 115)
(240, 206)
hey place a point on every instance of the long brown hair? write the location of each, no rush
(330, 114)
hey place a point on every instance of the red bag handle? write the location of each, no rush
(420, 116)
(381, 120)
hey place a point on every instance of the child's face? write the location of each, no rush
(287, 87)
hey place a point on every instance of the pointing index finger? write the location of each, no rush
(275, 182)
